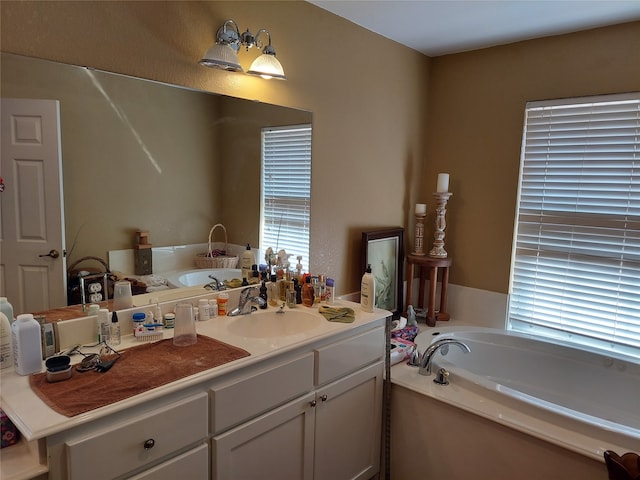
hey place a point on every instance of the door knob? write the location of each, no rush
(52, 254)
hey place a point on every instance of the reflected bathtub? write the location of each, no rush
(584, 402)
(200, 277)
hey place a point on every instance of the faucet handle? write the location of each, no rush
(442, 377)
(414, 357)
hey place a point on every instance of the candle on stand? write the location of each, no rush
(443, 182)
(421, 208)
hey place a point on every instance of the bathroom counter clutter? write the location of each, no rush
(208, 400)
(137, 371)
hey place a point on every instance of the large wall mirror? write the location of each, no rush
(138, 154)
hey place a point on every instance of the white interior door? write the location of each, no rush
(32, 243)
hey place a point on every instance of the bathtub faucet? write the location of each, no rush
(249, 298)
(425, 361)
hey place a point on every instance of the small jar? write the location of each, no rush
(169, 320)
(223, 299)
(138, 320)
(213, 308)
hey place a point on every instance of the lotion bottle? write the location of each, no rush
(246, 261)
(6, 308)
(368, 290)
(6, 350)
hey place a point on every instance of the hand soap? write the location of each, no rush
(368, 291)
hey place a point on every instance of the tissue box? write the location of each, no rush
(9, 432)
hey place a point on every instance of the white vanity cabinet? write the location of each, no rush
(306, 408)
(330, 433)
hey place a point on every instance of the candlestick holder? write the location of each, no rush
(438, 250)
(418, 248)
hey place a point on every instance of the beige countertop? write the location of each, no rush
(36, 420)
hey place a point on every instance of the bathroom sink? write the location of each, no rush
(272, 324)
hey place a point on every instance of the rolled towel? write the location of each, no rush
(337, 314)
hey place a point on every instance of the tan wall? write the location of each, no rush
(474, 132)
(368, 96)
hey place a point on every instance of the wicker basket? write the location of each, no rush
(215, 257)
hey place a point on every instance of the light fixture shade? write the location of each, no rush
(222, 56)
(267, 66)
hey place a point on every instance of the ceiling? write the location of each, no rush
(441, 27)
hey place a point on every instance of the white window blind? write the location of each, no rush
(576, 261)
(286, 190)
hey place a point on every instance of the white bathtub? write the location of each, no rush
(584, 402)
(200, 277)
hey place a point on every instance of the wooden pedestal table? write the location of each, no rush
(433, 264)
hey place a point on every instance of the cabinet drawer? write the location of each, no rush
(244, 398)
(192, 464)
(114, 451)
(348, 355)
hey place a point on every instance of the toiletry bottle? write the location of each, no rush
(139, 319)
(323, 288)
(213, 308)
(104, 325)
(264, 295)
(307, 292)
(115, 330)
(246, 261)
(330, 292)
(368, 291)
(297, 286)
(299, 268)
(6, 308)
(203, 309)
(272, 291)
(6, 350)
(315, 283)
(255, 275)
(26, 340)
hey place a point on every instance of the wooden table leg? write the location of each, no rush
(409, 287)
(423, 279)
(431, 312)
(442, 315)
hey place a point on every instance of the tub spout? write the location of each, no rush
(425, 361)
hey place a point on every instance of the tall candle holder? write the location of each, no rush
(438, 250)
(418, 248)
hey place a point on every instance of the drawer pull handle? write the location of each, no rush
(323, 398)
(148, 444)
(312, 403)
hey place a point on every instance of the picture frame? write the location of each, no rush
(383, 249)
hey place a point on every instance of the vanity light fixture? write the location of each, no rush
(224, 53)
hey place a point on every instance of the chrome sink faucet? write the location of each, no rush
(425, 361)
(249, 298)
(215, 284)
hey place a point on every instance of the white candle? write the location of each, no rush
(443, 182)
(421, 208)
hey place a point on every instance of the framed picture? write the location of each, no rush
(384, 251)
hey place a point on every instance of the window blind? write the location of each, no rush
(576, 258)
(286, 190)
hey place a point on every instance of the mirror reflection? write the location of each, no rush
(140, 155)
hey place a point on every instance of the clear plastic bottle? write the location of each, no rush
(115, 330)
(27, 344)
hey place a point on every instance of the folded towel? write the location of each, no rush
(335, 314)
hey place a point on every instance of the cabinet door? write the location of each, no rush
(348, 426)
(193, 464)
(276, 445)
